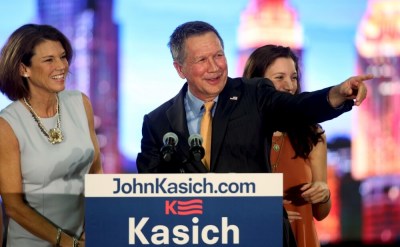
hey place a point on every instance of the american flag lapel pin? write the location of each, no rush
(233, 98)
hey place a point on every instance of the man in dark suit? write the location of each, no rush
(245, 113)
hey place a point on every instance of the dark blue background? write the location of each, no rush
(258, 218)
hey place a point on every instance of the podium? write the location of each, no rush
(210, 209)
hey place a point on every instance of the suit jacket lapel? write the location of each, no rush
(176, 115)
(227, 101)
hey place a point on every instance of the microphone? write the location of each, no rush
(170, 140)
(196, 149)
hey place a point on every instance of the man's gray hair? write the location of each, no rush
(177, 39)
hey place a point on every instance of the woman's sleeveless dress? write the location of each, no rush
(296, 172)
(52, 175)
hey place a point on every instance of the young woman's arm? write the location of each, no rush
(318, 192)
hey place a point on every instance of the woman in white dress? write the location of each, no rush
(47, 141)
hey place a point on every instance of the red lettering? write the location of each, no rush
(169, 207)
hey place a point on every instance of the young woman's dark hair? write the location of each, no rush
(303, 138)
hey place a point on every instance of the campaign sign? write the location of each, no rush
(230, 209)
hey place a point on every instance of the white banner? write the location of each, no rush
(184, 185)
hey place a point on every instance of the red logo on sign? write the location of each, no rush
(177, 207)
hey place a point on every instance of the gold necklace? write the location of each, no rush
(53, 135)
(277, 148)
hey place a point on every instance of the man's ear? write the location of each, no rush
(23, 70)
(178, 68)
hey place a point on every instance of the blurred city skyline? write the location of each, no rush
(147, 77)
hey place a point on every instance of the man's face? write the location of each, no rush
(204, 66)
